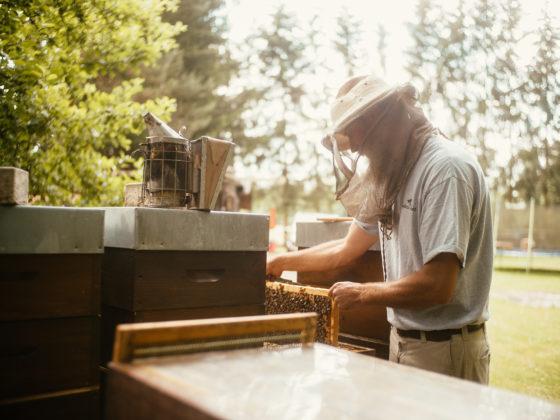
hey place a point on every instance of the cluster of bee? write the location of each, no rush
(279, 300)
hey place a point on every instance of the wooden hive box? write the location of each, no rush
(169, 264)
(312, 380)
(50, 266)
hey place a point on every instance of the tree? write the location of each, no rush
(282, 62)
(537, 164)
(348, 36)
(198, 72)
(203, 76)
(57, 117)
(465, 61)
(282, 53)
(469, 65)
(382, 47)
(424, 56)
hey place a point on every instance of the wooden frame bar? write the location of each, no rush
(131, 340)
(334, 321)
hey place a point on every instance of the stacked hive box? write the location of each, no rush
(164, 264)
(50, 274)
(365, 326)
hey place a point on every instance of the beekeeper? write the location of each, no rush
(426, 200)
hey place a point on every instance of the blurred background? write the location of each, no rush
(77, 76)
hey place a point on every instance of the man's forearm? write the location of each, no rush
(432, 285)
(326, 256)
(321, 257)
(410, 292)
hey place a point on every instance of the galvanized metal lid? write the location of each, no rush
(51, 230)
(185, 230)
(313, 233)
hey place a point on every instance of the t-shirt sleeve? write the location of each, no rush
(445, 219)
(370, 228)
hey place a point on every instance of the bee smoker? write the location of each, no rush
(179, 172)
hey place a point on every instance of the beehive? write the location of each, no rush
(283, 298)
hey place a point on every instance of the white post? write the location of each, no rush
(530, 236)
(496, 221)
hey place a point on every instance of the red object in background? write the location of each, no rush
(272, 218)
(272, 225)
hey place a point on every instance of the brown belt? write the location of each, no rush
(437, 335)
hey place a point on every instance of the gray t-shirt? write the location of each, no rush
(443, 207)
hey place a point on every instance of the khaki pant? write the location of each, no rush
(465, 355)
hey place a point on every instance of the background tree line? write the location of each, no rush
(75, 78)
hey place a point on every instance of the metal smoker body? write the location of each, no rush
(179, 172)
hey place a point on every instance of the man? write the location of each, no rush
(427, 202)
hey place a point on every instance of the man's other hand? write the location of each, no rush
(346, 294)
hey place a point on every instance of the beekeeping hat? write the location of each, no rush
(352, 99)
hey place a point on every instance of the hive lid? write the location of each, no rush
(185, 230)
(316, 381)
(51, 230)
(311, 233)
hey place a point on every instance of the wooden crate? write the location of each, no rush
(148, 341)
(48, 355)
(283, 297)
(148, 286)
(50, 271)
(82, 403)
(156, 280)
(38, 286)
(311, 381)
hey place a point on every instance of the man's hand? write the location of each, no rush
(273, 266)
(347, 294)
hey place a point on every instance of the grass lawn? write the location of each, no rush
(525, 340)
(536, 262)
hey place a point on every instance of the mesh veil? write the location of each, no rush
(397, 131)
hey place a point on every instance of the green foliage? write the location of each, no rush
(56, 115)
(202, 76)
(71, 99)
(193, 73)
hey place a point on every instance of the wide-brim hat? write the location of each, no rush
(355, 96)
